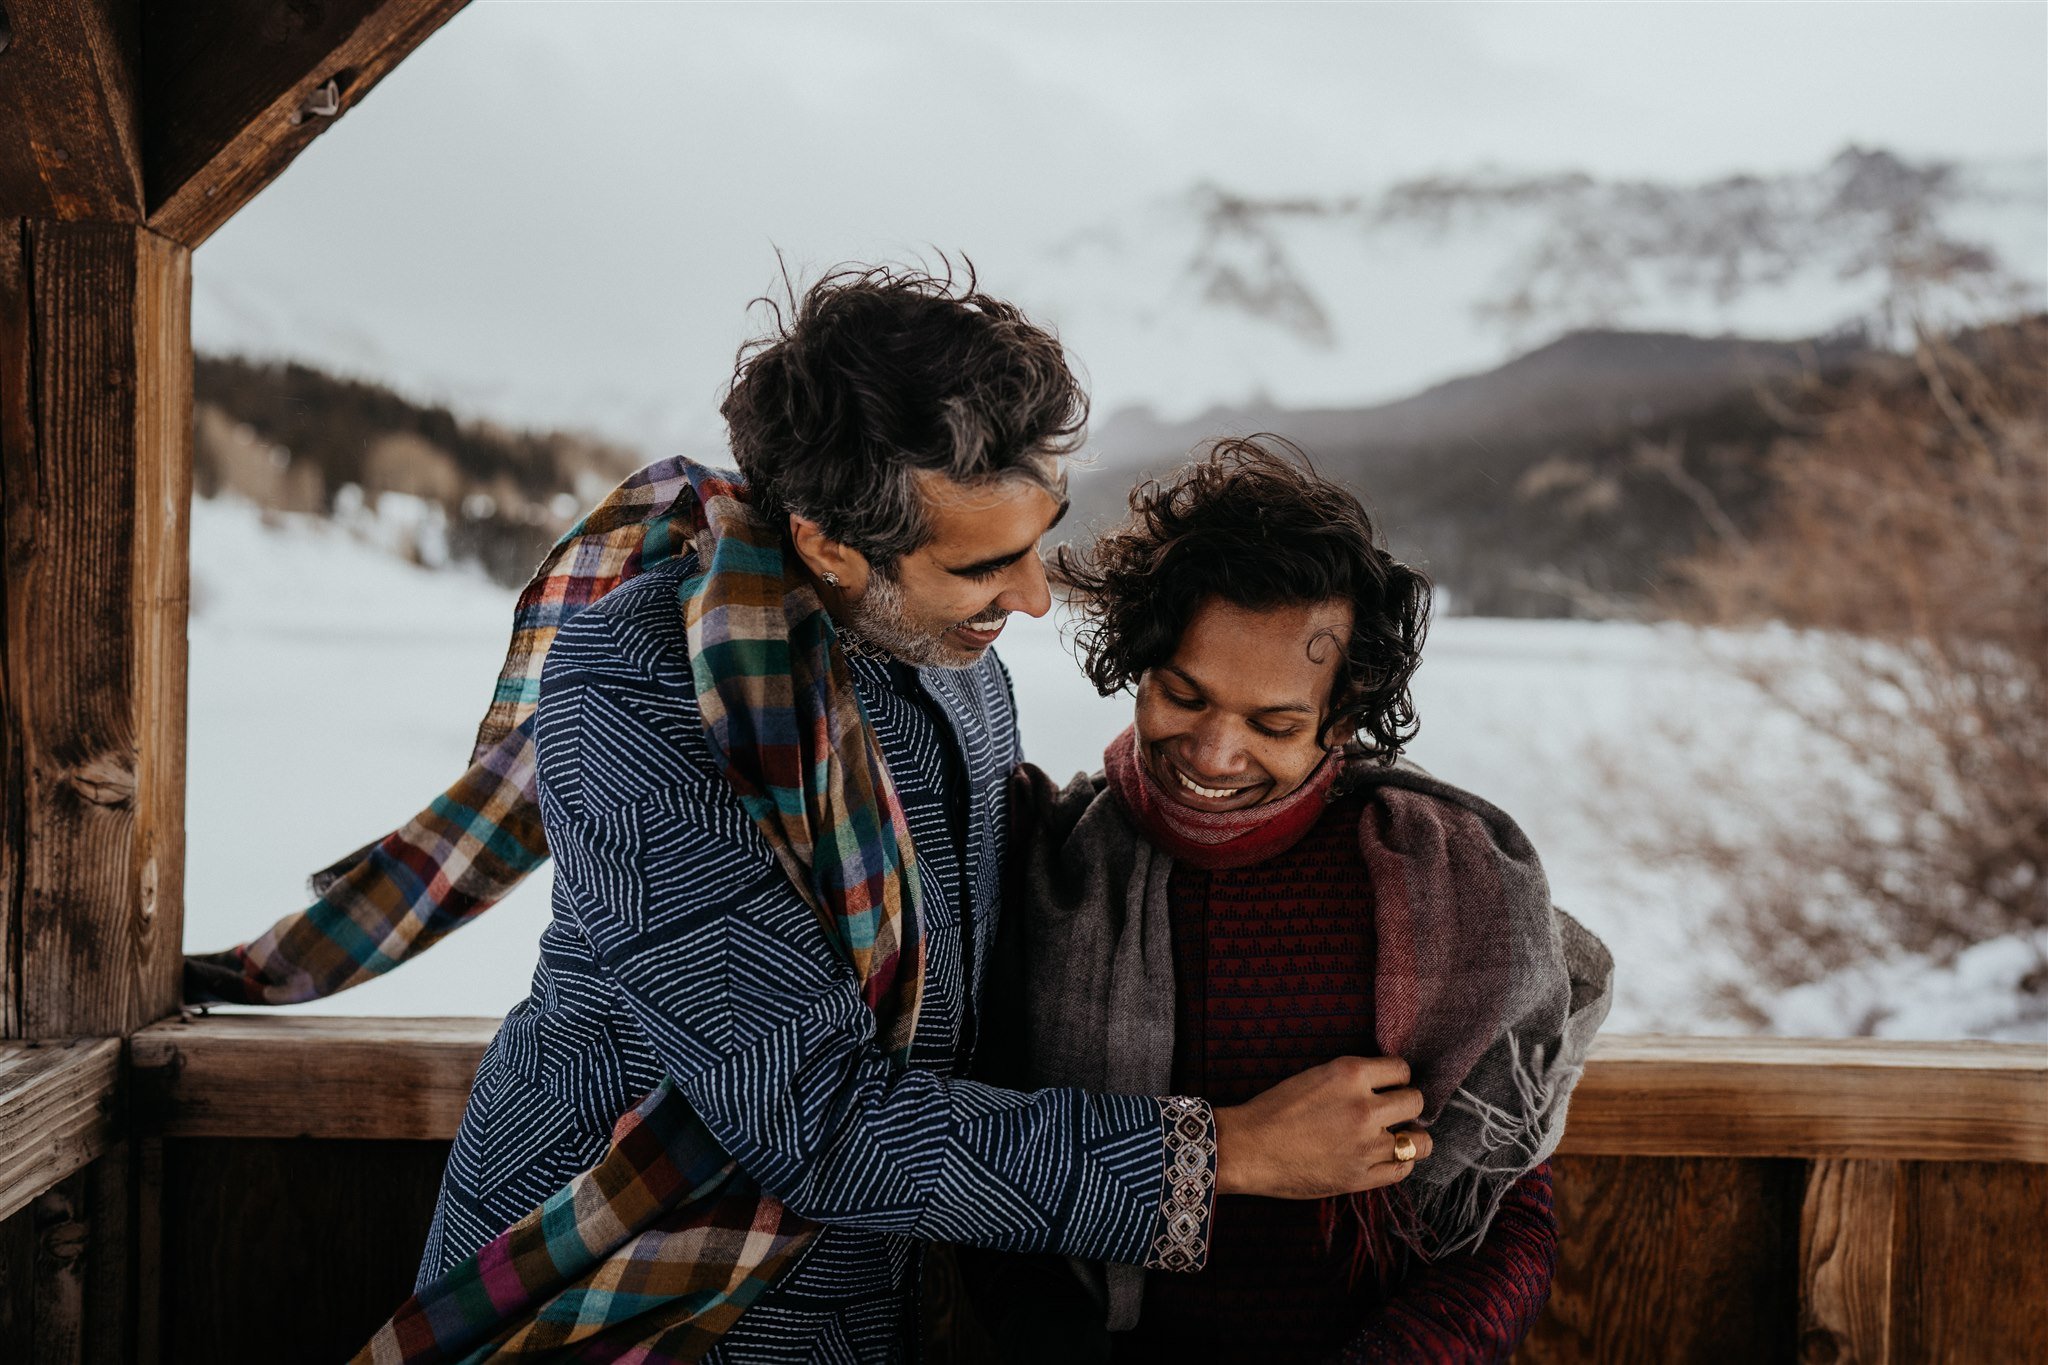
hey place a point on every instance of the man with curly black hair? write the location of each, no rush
(1255, 883)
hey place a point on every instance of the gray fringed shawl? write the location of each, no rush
(1490, 992)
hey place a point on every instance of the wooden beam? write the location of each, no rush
(1848, 1248)
(69, 136)
(17, 433)
(245, 1075)
(56, 1113)
(1857, 1099)
(287, 1075)
(95, 480)
(233, 90)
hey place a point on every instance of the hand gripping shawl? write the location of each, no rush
(653, 1253)
(1489, 992)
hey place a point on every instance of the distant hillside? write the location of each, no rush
(296, 439)
(1560, 483)
(1586, 381)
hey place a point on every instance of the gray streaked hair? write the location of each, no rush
(891, 516)
(880, 374)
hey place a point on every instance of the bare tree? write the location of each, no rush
(1907, 542)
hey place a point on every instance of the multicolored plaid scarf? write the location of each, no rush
(653, 1253)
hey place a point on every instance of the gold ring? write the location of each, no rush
(1404, 1147)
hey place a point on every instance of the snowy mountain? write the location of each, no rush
(1215, 298)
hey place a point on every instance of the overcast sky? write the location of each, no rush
(549, 197)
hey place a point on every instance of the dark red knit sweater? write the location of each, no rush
(1273, 965)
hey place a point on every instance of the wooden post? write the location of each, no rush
(1848, 1233)
(79, 1286)
(112, 169)
(95, 478)
(149, 1250)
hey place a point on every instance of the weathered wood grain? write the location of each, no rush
(1684, 1259)
(1674, 1260)
(63, 1235)
(95, 484)
(231, 92)
(57, 1107)
(17, 444)
(161, 593)
(65, 1271)
(110, 1330)
(254, 1075)
(69, 136)
(17, 1285)
(1972, 1280)
(149, 1250)
(82, 1313)
(1848, 1230)
(68, 606)
(288, 1250)
(1812, 1098)
(241, 1075)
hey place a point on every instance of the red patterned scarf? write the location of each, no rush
(1215, 840)
(1225, 840)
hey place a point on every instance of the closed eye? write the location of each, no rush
(987, 568)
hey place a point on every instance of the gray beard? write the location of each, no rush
(878, 626)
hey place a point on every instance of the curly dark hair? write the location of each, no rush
(1253, 523)
(877, 372)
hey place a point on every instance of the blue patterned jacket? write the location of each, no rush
(678, 946)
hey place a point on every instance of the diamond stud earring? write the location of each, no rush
(831, 579)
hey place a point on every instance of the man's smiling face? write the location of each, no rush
(943, 604)
(1232, 719)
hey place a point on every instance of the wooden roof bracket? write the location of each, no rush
(232, 91)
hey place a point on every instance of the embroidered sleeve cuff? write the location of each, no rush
(1189, 1197)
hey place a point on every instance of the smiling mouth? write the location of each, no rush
(1211, 793)
(988, 625)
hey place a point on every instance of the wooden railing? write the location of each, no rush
(1719, 1199)
(271, 1076)
(56, 1113)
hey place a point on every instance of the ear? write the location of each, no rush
(823, 555)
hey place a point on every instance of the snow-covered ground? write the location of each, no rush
(335, 688)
